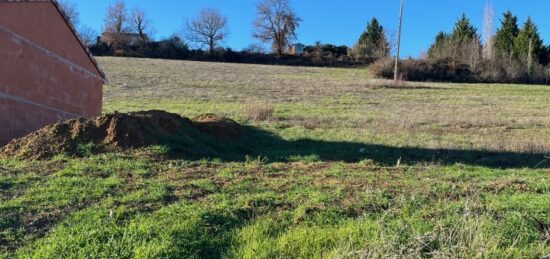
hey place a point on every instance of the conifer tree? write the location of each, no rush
(528, 43)
(372, 42)
(506, 35)
(373, 35)
(464, 30)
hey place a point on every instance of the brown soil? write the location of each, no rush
(118, 131)
(219, 127)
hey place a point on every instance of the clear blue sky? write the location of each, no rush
(330, 21)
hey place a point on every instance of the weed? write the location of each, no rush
(259, 112)
(255, 163)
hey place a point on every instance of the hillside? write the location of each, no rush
(334, 164)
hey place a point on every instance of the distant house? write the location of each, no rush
(297, 49)
(46, 72)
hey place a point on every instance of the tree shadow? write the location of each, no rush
(260, 143)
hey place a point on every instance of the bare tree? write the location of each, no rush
(276, 22)
(70, 11)
(140, 24)
(115, 26)
(207, 29)
(116, 19)
(488, 30)
(88, 35)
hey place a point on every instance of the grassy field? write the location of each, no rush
(350, 167)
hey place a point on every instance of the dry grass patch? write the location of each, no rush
(258, 111)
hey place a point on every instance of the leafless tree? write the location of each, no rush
(488, 30)
(88, 35)
(471, 53)
(70, 11)
(276, 22)
(140, 24)
(207, 29)
(117, 18)
(115, 26)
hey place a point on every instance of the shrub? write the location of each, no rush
(259, 112)
(424, 70)
(382, 68)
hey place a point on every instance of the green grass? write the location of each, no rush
(348, 168)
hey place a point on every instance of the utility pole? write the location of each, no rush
(396, 69)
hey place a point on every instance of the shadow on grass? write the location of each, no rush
(259, 143)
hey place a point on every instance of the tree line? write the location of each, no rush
(514, 54)
(131, 33)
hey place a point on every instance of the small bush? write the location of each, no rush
(382, 68)
(259, 112)
(311, 123)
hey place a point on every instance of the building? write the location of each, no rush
(297, 49)
(46, 72)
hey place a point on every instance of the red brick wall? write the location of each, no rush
(42, 81)
(40, 22)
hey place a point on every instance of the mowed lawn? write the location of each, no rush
(357, 168)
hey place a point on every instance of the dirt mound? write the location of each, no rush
(219, 127)
(118, 131)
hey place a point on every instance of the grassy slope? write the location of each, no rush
(295, 199)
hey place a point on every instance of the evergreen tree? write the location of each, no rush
(373, 35)
(438, 47)
(464, 30)
(506, 35)
(528, 43)
(462, 46)
(372, 42)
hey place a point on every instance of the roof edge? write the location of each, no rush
(75, 33)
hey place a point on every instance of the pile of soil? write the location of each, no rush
(121, 131)
(219, 127)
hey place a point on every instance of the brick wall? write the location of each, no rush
(40, 84)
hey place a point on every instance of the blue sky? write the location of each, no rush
(329, 21)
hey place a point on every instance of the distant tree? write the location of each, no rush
(276, 22)
(88, 35)
(116, 26)
(528, 44)
(116, 20)
(488, 31)
(208, 28)
(462, 46)
(255, 48)
(373, 43)
(463, 30)
(170, 48)
(374, 33)
(506, 36)
(70, 11)
(438, 48)
(140, 24)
